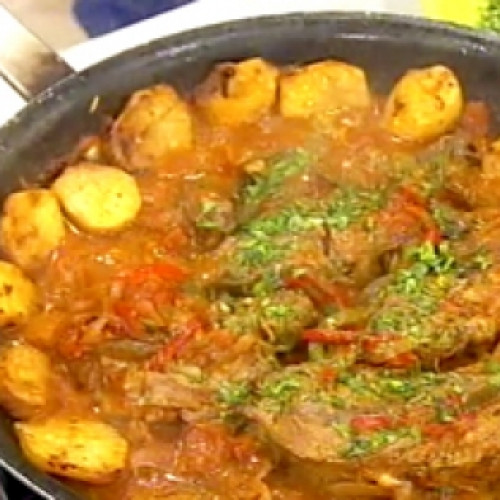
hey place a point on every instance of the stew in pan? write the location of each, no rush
(281, 286)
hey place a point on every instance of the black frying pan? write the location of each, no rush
(59, 115)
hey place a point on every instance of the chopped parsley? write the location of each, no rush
(349, 205)
(211, 216)
(233, 393)
(278, 169)
(420, 288)
(448, 221)
(279, 393)
(360, 446)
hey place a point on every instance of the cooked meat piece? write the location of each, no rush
(425, 425)
(32, 227)
(434, 309)
(174, 389)
(279, 318)
(192, 375)
(478, 186)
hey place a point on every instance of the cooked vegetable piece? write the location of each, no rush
(24, 380)
(82, 449)
(239, 93)
(424, 104)
(32, 227)
(154, 123)
(18, 295)
(98, 198)
(321, 88)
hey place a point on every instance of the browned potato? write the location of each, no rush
(17, 295)
(424, 104)
(239, 93)
(43, 328)
(322, 87)
(98, 198)
(155, 122)
(82, 449)
(32, 227)
(24, 380)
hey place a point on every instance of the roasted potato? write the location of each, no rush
(24, 380)
(86, 450)
(155, 122)
(32, 227)
(322, 87)
(424, 104)
(44, 327)
(239, 93)
(17, 295)
(98, 198)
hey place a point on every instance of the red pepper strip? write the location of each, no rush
(174, 347)
(436, 431)
(411, 197)
(328, 375)
(370, 423)
(163, 271)
(322, 293)
(432, 233)
(416, 206)
(403, 360)
(460, 426)
(331, 337)
(129, 315)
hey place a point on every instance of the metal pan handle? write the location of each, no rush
(26, 63)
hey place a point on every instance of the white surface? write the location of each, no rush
(199, 13)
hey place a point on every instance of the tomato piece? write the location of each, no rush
(415, 206)
(331, 337)
(411, 197)
(328, 375)
(164, 271)
(436, 431)
(403, 360)
(174, 347)
(370, 423)
(433, 235)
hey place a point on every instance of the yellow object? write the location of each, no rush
(466, 12)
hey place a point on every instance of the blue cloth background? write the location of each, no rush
(98, 17)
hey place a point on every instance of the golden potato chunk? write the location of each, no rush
(322, 87)
(155, 122)
(17, 295)
(32, 227)
(98, 198)
(236, 93)
(86, 450)
(424, 104)
(24, 380)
